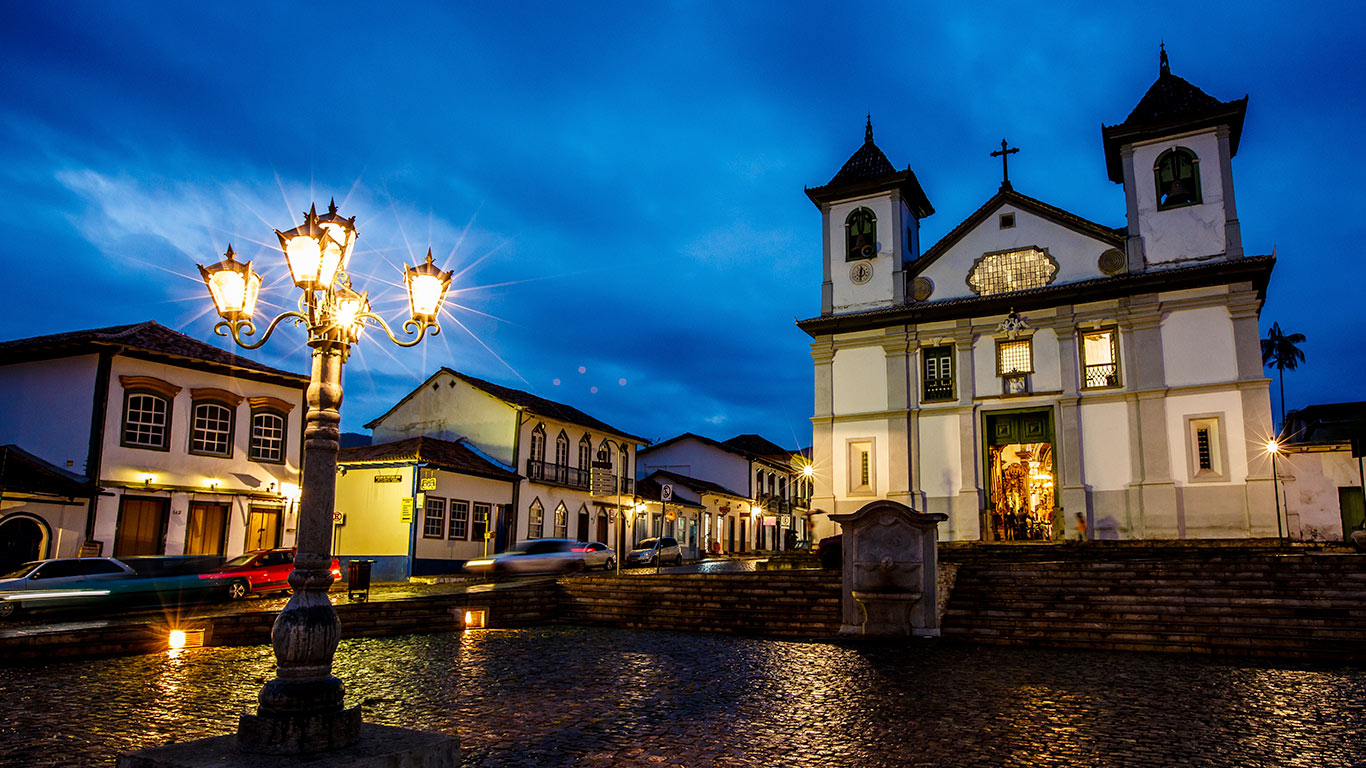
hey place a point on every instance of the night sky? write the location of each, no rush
(619, 187)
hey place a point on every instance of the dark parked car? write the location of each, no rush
(261, 571)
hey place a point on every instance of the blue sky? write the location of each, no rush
(619, 186)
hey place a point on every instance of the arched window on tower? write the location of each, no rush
(860, 235)
(1177, 177)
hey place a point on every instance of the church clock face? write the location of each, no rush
(861, 272)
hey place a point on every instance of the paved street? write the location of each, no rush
(603, 697)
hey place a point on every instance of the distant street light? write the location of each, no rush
(302, 708)
(1273, 448)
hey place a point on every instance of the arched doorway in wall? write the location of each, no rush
(581, 531)
(602, 525)
(22, 538)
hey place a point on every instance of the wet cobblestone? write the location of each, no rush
(568, 696)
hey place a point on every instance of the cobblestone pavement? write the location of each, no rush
(569, 696)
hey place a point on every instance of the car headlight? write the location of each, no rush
(478, 563)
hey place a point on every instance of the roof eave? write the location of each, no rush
(1115, 137)
(905, 181)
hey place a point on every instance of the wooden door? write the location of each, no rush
(206, 529)
(263, 528)
(141, 527)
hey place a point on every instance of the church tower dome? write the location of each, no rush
(1173, 154)
(870, 215)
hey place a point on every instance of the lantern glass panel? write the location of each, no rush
(425, 292)
(304, 255)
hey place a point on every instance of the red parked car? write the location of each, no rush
(265, 570)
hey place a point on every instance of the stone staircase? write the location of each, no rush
(775, 603)
(1242, 603)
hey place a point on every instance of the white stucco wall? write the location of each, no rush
(1311, 481)
(941, 474)
(451, 486)
(694, 458)
(65, 523)
(374, 523)
(1106, 446)
(1076, 254)
(1228, 407)
(859, 376)
(877, 292)
(449, 412)
(1188, 232)
(46, 409)
(853, 431)
(1198, 347)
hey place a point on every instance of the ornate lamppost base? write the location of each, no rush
(380, 745)
(298, 734)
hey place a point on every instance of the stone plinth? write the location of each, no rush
(379, 745)
(890, 571)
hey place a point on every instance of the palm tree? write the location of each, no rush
(1279, 350)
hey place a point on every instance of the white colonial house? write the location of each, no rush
(1323, 465)
(1034, 375)
(418, 506)
(703, 514)
(755, 492)
(551, 445)
(188, 449)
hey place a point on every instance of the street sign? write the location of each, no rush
(666, 493)
(338, 517)
(600, 480)
(671, 515)
(427, 484)
(405, 510)
(786, 521)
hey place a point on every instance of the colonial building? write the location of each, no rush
(1322, 471)
(191, 449)
(705, 514)
(418, 506)
(42, 509)
(1035, 374)
(768, 481)
(551, 445)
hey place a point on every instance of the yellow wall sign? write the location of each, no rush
(388, 478)
(405, 510)
(427, 484)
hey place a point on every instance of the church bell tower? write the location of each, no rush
(870, 215)
(1174, 154)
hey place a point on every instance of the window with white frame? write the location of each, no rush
(211, 429)
(561, 522)
(479, 526)
(535, 520)
(434, 518)
(861, 467)
(1206, 448)
(460, 520)
(538, 443)
(585, 453)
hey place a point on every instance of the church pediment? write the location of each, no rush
(1015, 243)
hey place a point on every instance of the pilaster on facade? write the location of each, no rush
(1233, 237)
(1133, 243)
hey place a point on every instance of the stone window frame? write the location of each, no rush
(213, 398)
(535, 519)
(1214, 423)
(1006, 220)
(459, 532)
(268, 406)
(942, 352)
(1113, 330)
(150, 387)
(1168, 157)
(855, 244)
(860, 455)
(434, 525)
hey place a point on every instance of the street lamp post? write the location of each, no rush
(1273, 447)
(302, 709)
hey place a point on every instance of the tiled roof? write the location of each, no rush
(701, 486)
(738, 451)
(868, 171)
(1327, 424)
(148, 337)
(759, 446)
(22, 472)
(1170, 105)
(457, 456)
(533, 403)
(866, 161)
(649, 490)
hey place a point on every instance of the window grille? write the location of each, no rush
(460, 520)
(267, 437)
(1100, 359)
(434, 518)
(1014, 357)
(145, 422)
(1007, 271)
(938, 373)
(1204, 457)
(211, 430)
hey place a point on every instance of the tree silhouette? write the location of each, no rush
(1279, 350)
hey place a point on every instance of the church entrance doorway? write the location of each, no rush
(1021, 465)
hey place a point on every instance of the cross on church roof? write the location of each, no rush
(1005, 154)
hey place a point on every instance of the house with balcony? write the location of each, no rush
(141, 441)
(760, 492)
(552, 446)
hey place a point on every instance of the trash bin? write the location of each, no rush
(358, 579)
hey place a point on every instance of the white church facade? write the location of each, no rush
(1037, 376)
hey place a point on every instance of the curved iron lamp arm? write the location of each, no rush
(235, 328)
(412, 329)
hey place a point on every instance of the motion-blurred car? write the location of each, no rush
(659, 551)
(597, 555)
(260, 571)
(535, 556)
(73, 582)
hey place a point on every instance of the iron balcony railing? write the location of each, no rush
(572, 477)
(1102, 375)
